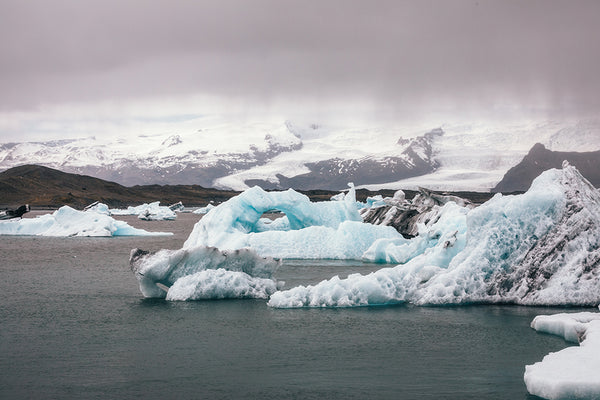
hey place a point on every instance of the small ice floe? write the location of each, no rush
(572, 373)
(148, 212)
(204, 210)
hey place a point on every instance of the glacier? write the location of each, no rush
(571, 373)
(67, 221)
(321, 230)
(203, 273)
(538, 248)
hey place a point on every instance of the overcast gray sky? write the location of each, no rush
(393, 58)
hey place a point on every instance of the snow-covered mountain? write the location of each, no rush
(214, 152)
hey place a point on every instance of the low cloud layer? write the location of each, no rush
(395, 57)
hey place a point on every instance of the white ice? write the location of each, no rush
(204, 273)
(214, 284)
(204, 210)
(329, 229)
(67, 221)
(149, 212)
(541, 247)
(572, 373)
(99, 208)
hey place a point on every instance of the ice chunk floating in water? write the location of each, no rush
(203, 273)
(322, 230)
(572, 373)
(149, 212)
(67, 221)
(542, 247)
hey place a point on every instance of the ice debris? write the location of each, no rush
(538, 248)
(574, 372)
(148, 212)
(67, 221)
(204, 210)
(203, 273)
(329, 229)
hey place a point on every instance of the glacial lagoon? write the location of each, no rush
(73, 324)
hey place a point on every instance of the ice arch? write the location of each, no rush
(242, 215)
(329, 229)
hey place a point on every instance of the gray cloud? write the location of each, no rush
(395, 54)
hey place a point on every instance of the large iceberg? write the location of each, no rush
(67, 221)
(572, 373)
(231, 251)
(203, 273)
(538, 248)
(330, 229)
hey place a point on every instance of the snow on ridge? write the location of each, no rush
(468, 156)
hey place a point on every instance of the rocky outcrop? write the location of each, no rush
(539, 159)
(406, 216)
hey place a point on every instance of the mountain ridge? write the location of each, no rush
(539, 159)
(47, 187)
(231, 155)
(44, 187)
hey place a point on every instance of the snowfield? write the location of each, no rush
(215, 152)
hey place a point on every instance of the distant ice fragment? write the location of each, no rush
(99, 208)
(149, 212)
(572, 373)
(67, 221)
(204, 210)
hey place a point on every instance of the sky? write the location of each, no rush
(87, 67)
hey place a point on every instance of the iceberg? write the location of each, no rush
(67, 221)
(232, 250)
(203, 273)
(538, 248)
(148, 212)
(204, 210)
(329, 229)
(574, 372)
(99, 208)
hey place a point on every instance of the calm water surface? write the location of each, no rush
(73, 325)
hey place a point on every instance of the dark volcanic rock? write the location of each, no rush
(405, 216)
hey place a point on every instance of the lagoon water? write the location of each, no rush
(73, 325)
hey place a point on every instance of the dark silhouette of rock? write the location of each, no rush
(539, 159)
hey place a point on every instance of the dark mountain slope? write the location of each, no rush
(47, 187)
(539, 159)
